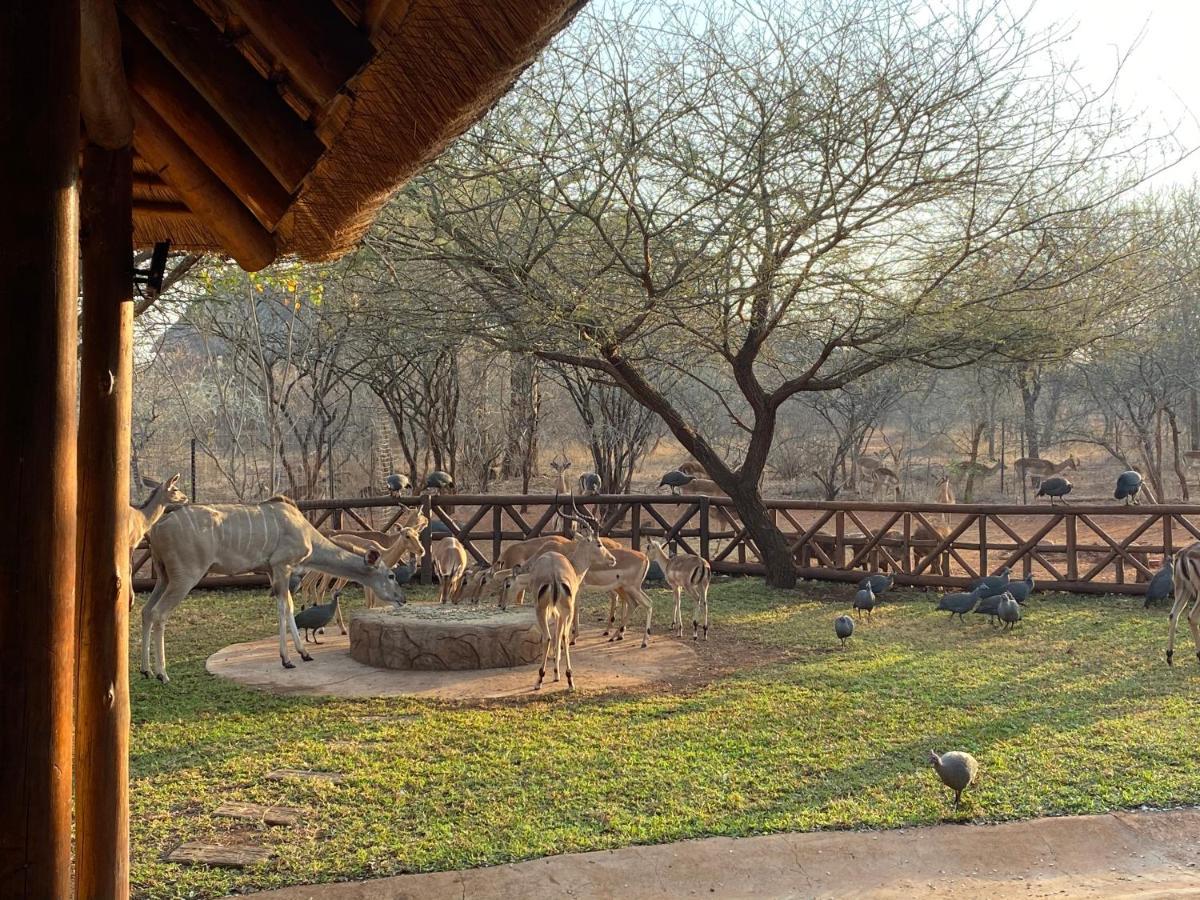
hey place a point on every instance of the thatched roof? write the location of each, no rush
(267, 128)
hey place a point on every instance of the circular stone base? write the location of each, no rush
(445, 637)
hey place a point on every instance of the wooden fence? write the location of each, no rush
(1082, 548)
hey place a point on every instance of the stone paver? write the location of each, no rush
(1140, 854)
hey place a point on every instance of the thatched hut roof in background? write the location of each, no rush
(266, 129)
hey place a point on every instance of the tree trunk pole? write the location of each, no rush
(106, 375)
(39, 115)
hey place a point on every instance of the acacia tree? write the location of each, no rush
(779, 199)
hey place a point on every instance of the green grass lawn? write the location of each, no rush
(1074, 712)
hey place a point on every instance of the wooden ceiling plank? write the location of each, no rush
(251, 105)
(210, 136)
(214, 204)
(320, 49)
(168, 208)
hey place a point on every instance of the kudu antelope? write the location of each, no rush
(143, 518)
(685, 572)
(232, 538)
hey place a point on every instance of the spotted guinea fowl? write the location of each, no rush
(1129, 484)
(877, 582)
(1056, 488)
(993, 584)
(990, 606)
(317, 616)
(960, 603)
(1022, 589)
(957, 770)
(843, 627)
(590, 484)
(864, 599)
(397, 485)
(1008, 611)
(1161, 585)
(675, 480)
(438, 481)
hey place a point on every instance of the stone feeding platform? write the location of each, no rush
(445, 638)
(598, 665)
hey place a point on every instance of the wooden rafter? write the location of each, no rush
(247, 102)
(212, 202)
(317, 45)
(212, 139)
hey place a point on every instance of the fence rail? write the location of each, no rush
(1084, 548)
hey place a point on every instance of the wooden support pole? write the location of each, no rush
(317, 45)
(39, 234)
(103, 577)
(246, 100)
(210, 137)
(212, 202)
(103, 92)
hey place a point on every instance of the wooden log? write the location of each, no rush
(103, 575)
(317, 45)
(249, 103)
(210, 137)
(103, 91)
(229, 857)
(213, 203)
(39, 114)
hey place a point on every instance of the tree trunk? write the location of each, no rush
(773, 548)
(1177, 457)
(969, 486)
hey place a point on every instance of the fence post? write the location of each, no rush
(1072, 552)
(195, 494)
(839, 539)
(983, 548)
(635, 526)
(497, 529)
(704, 527)
(427, 540)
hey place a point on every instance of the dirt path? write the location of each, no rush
(1117, 855)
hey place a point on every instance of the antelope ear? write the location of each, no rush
(172, 481)
(371, 556)
(150, 482)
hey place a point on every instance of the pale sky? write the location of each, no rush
(1162, 76)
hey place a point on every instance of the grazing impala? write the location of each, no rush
(450, 562)
(685, 572)
(554, 580)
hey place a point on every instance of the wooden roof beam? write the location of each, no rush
(210, 137)
(165, 208)
(317, 45)
(213, 204)
(250, 104)
(103, 92)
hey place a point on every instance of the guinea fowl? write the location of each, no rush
(438, 481)
(843, 627)
(993, 584)
(961, 603)
(957, 770)
(675, 480)
(1022, 589)
(1129, 484)
(877, 582)
(590, 484)
(990, 606)
(1161, 585)
(865, 600)
(1008, 611)
(314, 618)
(1055, 488)
(397, 485)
